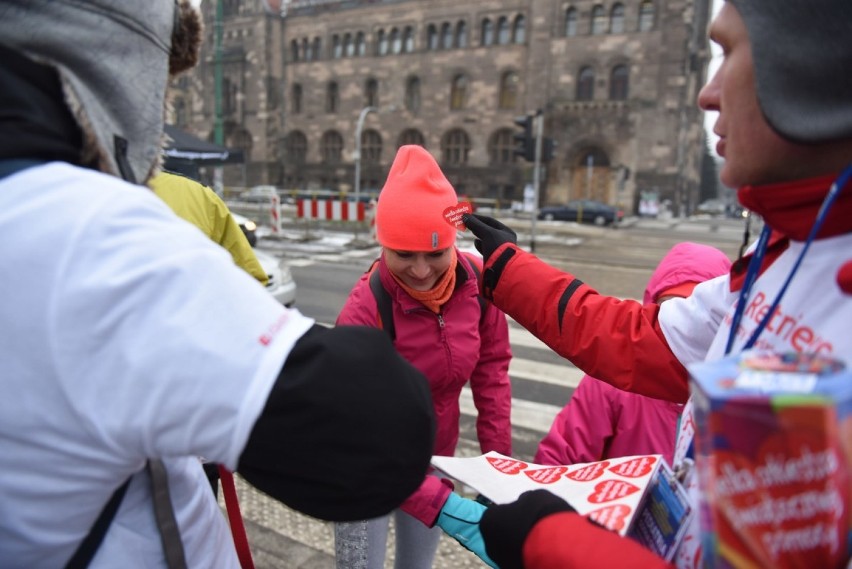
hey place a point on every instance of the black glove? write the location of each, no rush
(505, 528)
(489, 232)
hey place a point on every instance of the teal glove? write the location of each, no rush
(459, 518)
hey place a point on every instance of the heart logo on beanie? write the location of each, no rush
(611, 517)
(454, 213)
(610, 490)
(507, 465)
(546, 475)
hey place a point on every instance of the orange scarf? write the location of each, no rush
(438, 295)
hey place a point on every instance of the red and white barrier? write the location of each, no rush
(275, 214)
(331, 210)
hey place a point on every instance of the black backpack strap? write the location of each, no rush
(383, 303)
(89, 546)
(478, 274)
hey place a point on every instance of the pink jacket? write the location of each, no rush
(450, 351)
(602, 421)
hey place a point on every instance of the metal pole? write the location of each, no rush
(358, 127)
(538, 125)
(218, 134)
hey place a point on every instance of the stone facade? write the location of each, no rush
(616, 83)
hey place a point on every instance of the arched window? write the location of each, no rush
(455, 147)
(395, 41)
(487, 35)
(408, 40)
(432, 37)
(294, 51)
(360, 44)
(371, 146)
(618, 83)
(382, 43)
(412, 94)
(646, 16)
(501, 148)
(180, 113)
(503, 34)
(461, 34)
(599, 20)
(307, 52)
(519, 30)
(296, 148)
(570, 22)
(586, 84)
(446, 36)
(317, 48)
(458, 92)
(336, 47)
(332, 97)
(371, 93)
(509, 90)
(411, 136)
(616, 19)
(229, 97)
(331, 147)
(296, 99)
(243, 140)
(348, 45)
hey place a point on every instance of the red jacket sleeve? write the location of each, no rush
(567, 540)
(617, 341)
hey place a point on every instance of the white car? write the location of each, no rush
(280, 284)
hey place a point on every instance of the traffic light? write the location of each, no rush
(548, 149)
(525, 141)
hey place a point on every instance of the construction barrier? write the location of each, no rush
(331, 210)
(275, 214)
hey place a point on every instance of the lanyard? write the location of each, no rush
(757, 261)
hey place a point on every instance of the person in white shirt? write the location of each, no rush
(128, 338)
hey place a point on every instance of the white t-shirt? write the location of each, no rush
(125, 333)
(813, 315)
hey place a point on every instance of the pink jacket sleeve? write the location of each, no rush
(426, 503)
(491, 386)
(580, 431)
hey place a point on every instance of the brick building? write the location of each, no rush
(616, 83)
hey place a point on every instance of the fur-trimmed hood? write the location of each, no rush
(114, 59)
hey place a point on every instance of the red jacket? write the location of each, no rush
(602, 421)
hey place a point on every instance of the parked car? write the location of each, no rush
(584, 211)
(259, 194)
(712, 207)
(280, 283)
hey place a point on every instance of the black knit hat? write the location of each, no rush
(802, 52)
(348, 430)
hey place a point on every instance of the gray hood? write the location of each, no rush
(802, 52)
(113, 59)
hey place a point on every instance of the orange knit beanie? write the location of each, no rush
(410, 211)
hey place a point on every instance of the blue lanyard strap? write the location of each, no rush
(757, 261)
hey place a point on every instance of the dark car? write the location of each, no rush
(583, 211)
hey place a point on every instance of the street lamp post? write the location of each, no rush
(357, 157)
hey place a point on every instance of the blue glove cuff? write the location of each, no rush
(459, 518)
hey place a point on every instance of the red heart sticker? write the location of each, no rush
(589, 472)
(636, 468)
(454, 213)
(610, 490)
(611, 517)
(507, 465)
(546, 475)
